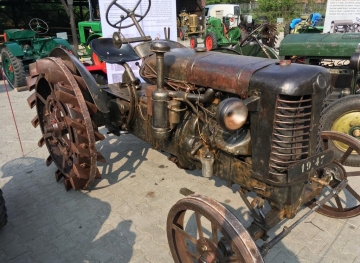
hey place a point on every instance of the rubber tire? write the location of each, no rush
(18, 67)
(193, 42)
(182, 34)
(332, 112)
(287, 29)
(213, 37)
(3, 213)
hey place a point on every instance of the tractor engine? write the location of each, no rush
(243, 119)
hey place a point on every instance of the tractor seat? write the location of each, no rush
(104, 48)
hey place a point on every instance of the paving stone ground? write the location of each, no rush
(123, 217)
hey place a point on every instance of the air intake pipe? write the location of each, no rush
(160, 96)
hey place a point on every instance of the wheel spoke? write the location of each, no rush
(199, 226)
(214, 233)
(119, 6)
(346, 155)
(353, 174)
(136, 6)
(326, 144)
(352, 191)
(181, 231)
(40, 98)
(338, 203)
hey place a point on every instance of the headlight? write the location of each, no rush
(232, 114)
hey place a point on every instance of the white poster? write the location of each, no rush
(162, 14)
(342, 16)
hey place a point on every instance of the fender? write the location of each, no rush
(99, 97)
(15, 49)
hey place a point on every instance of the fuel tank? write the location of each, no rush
(233, 73)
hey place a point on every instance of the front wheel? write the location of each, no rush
(182, 34)
(193, 42)
(211, 41)
(13, 69)
(343, 116)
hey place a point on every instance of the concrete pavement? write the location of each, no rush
(123, 217)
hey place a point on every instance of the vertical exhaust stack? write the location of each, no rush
(160, 120)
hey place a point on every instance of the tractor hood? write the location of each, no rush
(320, 45)
(234, 73)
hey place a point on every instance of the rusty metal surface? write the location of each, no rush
(235, 246)
(224, 72)
(64, 117)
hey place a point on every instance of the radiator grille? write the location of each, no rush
(290, 138)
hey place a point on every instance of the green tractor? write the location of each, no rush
(219, 33)
(89, 30)
(306, 23)
(23, 47)
(340, 54)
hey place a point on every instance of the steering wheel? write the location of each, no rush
(38, 25)
(252, 36)
(232, 20)
(124, 14)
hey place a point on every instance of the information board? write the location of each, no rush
(162, 14)
(342, 16)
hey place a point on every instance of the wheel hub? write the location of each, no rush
(348, 123)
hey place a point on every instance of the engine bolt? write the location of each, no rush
(204, 248)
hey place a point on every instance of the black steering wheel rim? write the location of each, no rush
(128, 14)
(37, 25)
(252, 35)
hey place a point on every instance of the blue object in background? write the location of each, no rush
(294, 22)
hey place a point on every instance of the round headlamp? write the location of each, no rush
(232, 114)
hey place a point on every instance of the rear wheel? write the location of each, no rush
(287, 29)
(211, 41)
(3, 213)
(64, 112)
(13, 68)
(343, 116)
(193, 42)
(182, 34)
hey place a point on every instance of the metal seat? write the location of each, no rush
(104, 48)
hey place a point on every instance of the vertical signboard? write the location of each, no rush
(162, 14)
(342, 16)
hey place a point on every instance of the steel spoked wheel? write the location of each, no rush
(13, 68)
(343, 116)
(200, 229)
(210, 41)
(64, 116)
(347, 203)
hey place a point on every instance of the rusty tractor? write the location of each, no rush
(250, 121)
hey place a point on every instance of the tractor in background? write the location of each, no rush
(189, 24)
(22, 47)
(219, 33)
(306, 23)
(341, 111)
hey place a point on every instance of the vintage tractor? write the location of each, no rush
(219, 33)
(23, 46)
(338, 53)
(250, 121)
(189, 24)
(306, 23)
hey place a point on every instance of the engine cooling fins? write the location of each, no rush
(64, 117)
